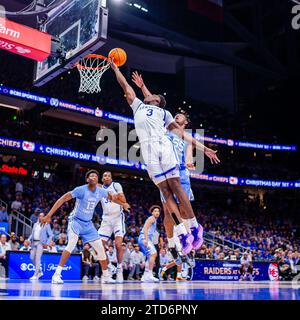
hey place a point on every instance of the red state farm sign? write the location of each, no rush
(24, 41)
(13, 170)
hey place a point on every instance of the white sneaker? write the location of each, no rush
(85, 278)
(148, 277)
(96, 278)
(120, 278)
(34, 277)
(57, 279)
(107, 279)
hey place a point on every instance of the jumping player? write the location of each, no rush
(151, 121)
(184, 154)
(80, 222)
(113, 220)
(146, 244)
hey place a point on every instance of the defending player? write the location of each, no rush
(113, 220)
(184, 153)
(151, 121)
(146, 244)
(80, 222)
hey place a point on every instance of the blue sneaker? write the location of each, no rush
(186, 242)
(198, 237)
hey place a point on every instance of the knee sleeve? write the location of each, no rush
(98, 246)
(72, 241)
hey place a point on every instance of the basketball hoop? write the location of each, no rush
(91, 69)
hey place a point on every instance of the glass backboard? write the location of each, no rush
(81, 27)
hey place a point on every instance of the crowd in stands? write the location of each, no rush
(232, 222)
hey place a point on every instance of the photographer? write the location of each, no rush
(246, 268)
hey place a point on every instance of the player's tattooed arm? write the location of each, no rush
(129, 92)
(66, 197)
(211, 154)
(139, 82)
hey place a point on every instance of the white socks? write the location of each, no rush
(105, 273)
(171, 243)
(180, 229)
(58, 270)
(193, 223)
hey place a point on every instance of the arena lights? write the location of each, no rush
(137, 6)
(53, 151)
(99, 113)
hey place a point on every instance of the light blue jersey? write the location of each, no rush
(86, 202)
(150, 249)
(151, 230)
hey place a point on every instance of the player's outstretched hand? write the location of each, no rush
(137, 79)
(112, 64)
(212, 155)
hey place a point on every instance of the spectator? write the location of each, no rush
(52, 247)
(3, 214)
(26, 246)
(4, 246)
(21, 240)
(86, 257)
(111, 255)
(126, 258)
(61, 245)
(246, 269)
(35, 216)
(17, 204)
(19, 187)
(79, 246)
(136, 263)
(13, 242)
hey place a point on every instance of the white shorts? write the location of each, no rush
(112, 225)
(160, 159)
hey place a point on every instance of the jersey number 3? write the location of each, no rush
(150, 112)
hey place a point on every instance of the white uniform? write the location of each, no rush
(157, 150)
(113, 219)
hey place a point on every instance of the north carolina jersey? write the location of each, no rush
(86, 202)
(180, 147)
(150, 121)
(109, 207)
(151, 230)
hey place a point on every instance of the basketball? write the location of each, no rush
(119, 56)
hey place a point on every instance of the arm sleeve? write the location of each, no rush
(136, 104)
(78, 192)
(118, 187)
(168, 118)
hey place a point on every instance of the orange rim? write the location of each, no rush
(91, 55)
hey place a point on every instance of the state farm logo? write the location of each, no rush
(233, 180)
(28, 146)
(230, 142)
(22, 50)
(273, 272)
(99, 113)
(10, 32)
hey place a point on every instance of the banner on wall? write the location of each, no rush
(20, 266)
(216, 270)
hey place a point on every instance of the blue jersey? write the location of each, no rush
(151, 230)
(86, 202)
(180, 147)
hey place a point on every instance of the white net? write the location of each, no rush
(91, 69)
